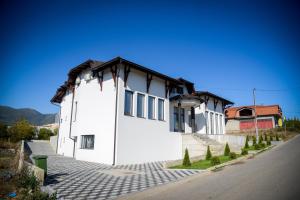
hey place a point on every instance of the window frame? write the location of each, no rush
(131, 106)
(163, 109)
(142, 106)
(83, 145)
(153, 117)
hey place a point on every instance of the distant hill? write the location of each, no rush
(9, 115)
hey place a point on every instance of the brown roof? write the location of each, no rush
(260, 110)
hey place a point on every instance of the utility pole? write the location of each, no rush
(255, 116)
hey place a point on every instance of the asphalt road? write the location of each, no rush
(273, 175)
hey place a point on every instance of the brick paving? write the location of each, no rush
(74, 179)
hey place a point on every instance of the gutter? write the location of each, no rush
(71, 118)
(116, 115)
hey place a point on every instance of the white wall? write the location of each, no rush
(201, 123)
(93, 115)
(142, 140)
(65, 144)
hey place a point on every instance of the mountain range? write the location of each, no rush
(9, 115)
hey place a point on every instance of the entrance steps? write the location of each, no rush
(197, 145)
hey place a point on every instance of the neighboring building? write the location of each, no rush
(119, 112)
(243, 118)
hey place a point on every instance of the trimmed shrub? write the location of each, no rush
(246, 143)
(253, 141)
(265, 137)
(208, 153)
(232, 155)
(186, 160)
(215, 161)
(260, 140)
(262, 145)
(268, 142)
(244, 152)
(226, 150)
(277, 137)
(271, 138)
(256, 147)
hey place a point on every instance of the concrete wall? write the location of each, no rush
(141, 139)
(53, 142)
(232, 125)
(231, 139)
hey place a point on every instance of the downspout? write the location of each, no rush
(71, 118)
(56, 150)
(116, 115)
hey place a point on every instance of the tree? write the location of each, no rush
(3, 131)
(226, 150)
(260, 140)
(253, 141)
(44, 134)
(246, 143)
(208, 153)
(55, 132)
(186, 160)
(21, 130)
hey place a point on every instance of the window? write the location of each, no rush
(217, 123)
(87, 141)
(221, 124)
(178, 119)
(128, 102)
(161, 109)
(151, 107)
(207, 122)
(182, 125)
(212, 125)
(140, 105)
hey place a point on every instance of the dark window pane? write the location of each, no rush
(128, 103)
(160, 109)
(151, 107)
(87, 141)
(140, 105)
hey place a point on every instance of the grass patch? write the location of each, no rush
(203, 164)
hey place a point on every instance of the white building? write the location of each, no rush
(119, 112)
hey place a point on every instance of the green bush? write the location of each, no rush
(208, 153)
(21, 130)
(262, 145)
(271, 138)
(232, 155)
(253, 141)
(244, 152)
(28, 180)
(246, 143)
(265, 137)
(260, 140)
(268, 142)
(256, 147)
(226, 150)
(3, 131)
(186, 160)
(215, 161)
(277, 137)
(44, 134)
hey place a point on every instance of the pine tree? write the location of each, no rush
(260, 140)
(186, 160)
(208, 153)
(266, 137)
(253, 141)
(226, 150)
(277, 137)
(246, 143)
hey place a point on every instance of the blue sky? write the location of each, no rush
(225, 47)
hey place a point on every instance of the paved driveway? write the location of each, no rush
(73, 179)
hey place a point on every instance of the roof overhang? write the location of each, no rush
(187, 100)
